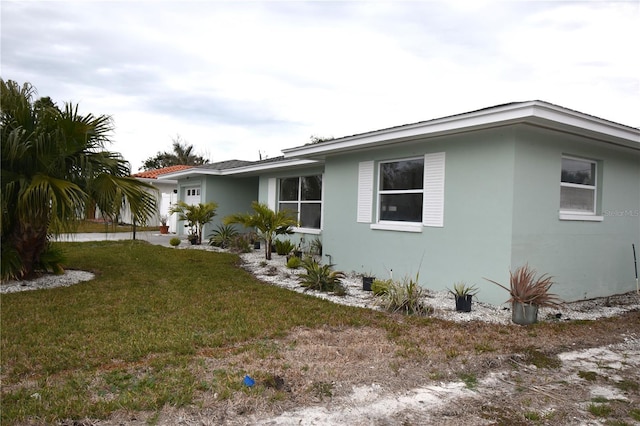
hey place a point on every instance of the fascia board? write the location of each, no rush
(275, 166)
(244, 170)
(535, 112)
(574, 122)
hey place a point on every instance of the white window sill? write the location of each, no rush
(396, 227)
(581, 217)
(307, 231)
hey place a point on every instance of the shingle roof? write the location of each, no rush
(153, 174)
(228, 164)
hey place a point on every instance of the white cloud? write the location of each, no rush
(235, 78)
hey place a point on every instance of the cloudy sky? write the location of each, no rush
(239, 78)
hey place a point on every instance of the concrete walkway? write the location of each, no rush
(151, 237)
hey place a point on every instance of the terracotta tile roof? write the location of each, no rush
(153, 174)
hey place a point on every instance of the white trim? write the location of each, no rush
(433, 198)
(365, 191)
(299, 202)
(252, 169)
(582, 217)
(414, 227)
(593, 188)
(311, 231)
(271, 193)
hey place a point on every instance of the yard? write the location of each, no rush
(163, 336)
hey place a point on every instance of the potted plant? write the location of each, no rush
(528, 294)
(193, 238)
(367, 281)
(464, 296)
(164, 228)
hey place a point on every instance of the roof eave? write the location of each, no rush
(249, 170)
(532, 112)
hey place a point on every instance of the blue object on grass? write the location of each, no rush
(248, 381)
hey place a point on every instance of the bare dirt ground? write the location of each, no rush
(359, 376)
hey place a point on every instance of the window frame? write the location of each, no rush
(299, 201)
(410, 226)
(567, 214)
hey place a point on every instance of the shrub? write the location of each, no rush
(406, 297)
(294, 262)
(320, 277)
(241, 243)
(526, 288)
(223, 236)
(316, 247)
(174, 242)
(283, 247)
(380, 287)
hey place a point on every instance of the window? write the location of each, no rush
(409, 193)
(578, 186)
(401, 190)
(302, 195)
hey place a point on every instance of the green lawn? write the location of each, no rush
(97, 227)
(161, 327)
(67, 352)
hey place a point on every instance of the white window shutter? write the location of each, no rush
(433, 201)
(271, 193)
(365, 191)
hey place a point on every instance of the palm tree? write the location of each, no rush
(196, 216)
(182, 154)
(54, 162)
(267, 223)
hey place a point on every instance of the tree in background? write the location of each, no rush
(54, 163)
(182, 154)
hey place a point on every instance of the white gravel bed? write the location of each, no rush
(69, 278)
(275, 272)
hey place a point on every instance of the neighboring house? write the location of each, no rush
(460, 198)
(167, 194)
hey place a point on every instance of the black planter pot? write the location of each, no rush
(366, 283)
(256, 245)
(463, 303)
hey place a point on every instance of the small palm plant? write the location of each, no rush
(266, 222)
(223, 236)
(196, 216)
(321, 277)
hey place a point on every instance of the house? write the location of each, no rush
(167, 193)
(459, 198)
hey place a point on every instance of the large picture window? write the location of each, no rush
(401, 190)
(302, 195)
(578, 186)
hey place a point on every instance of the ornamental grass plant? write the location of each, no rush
(528, 289)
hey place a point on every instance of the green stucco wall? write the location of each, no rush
(587, 259)
(232, 194)
(475, 241)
